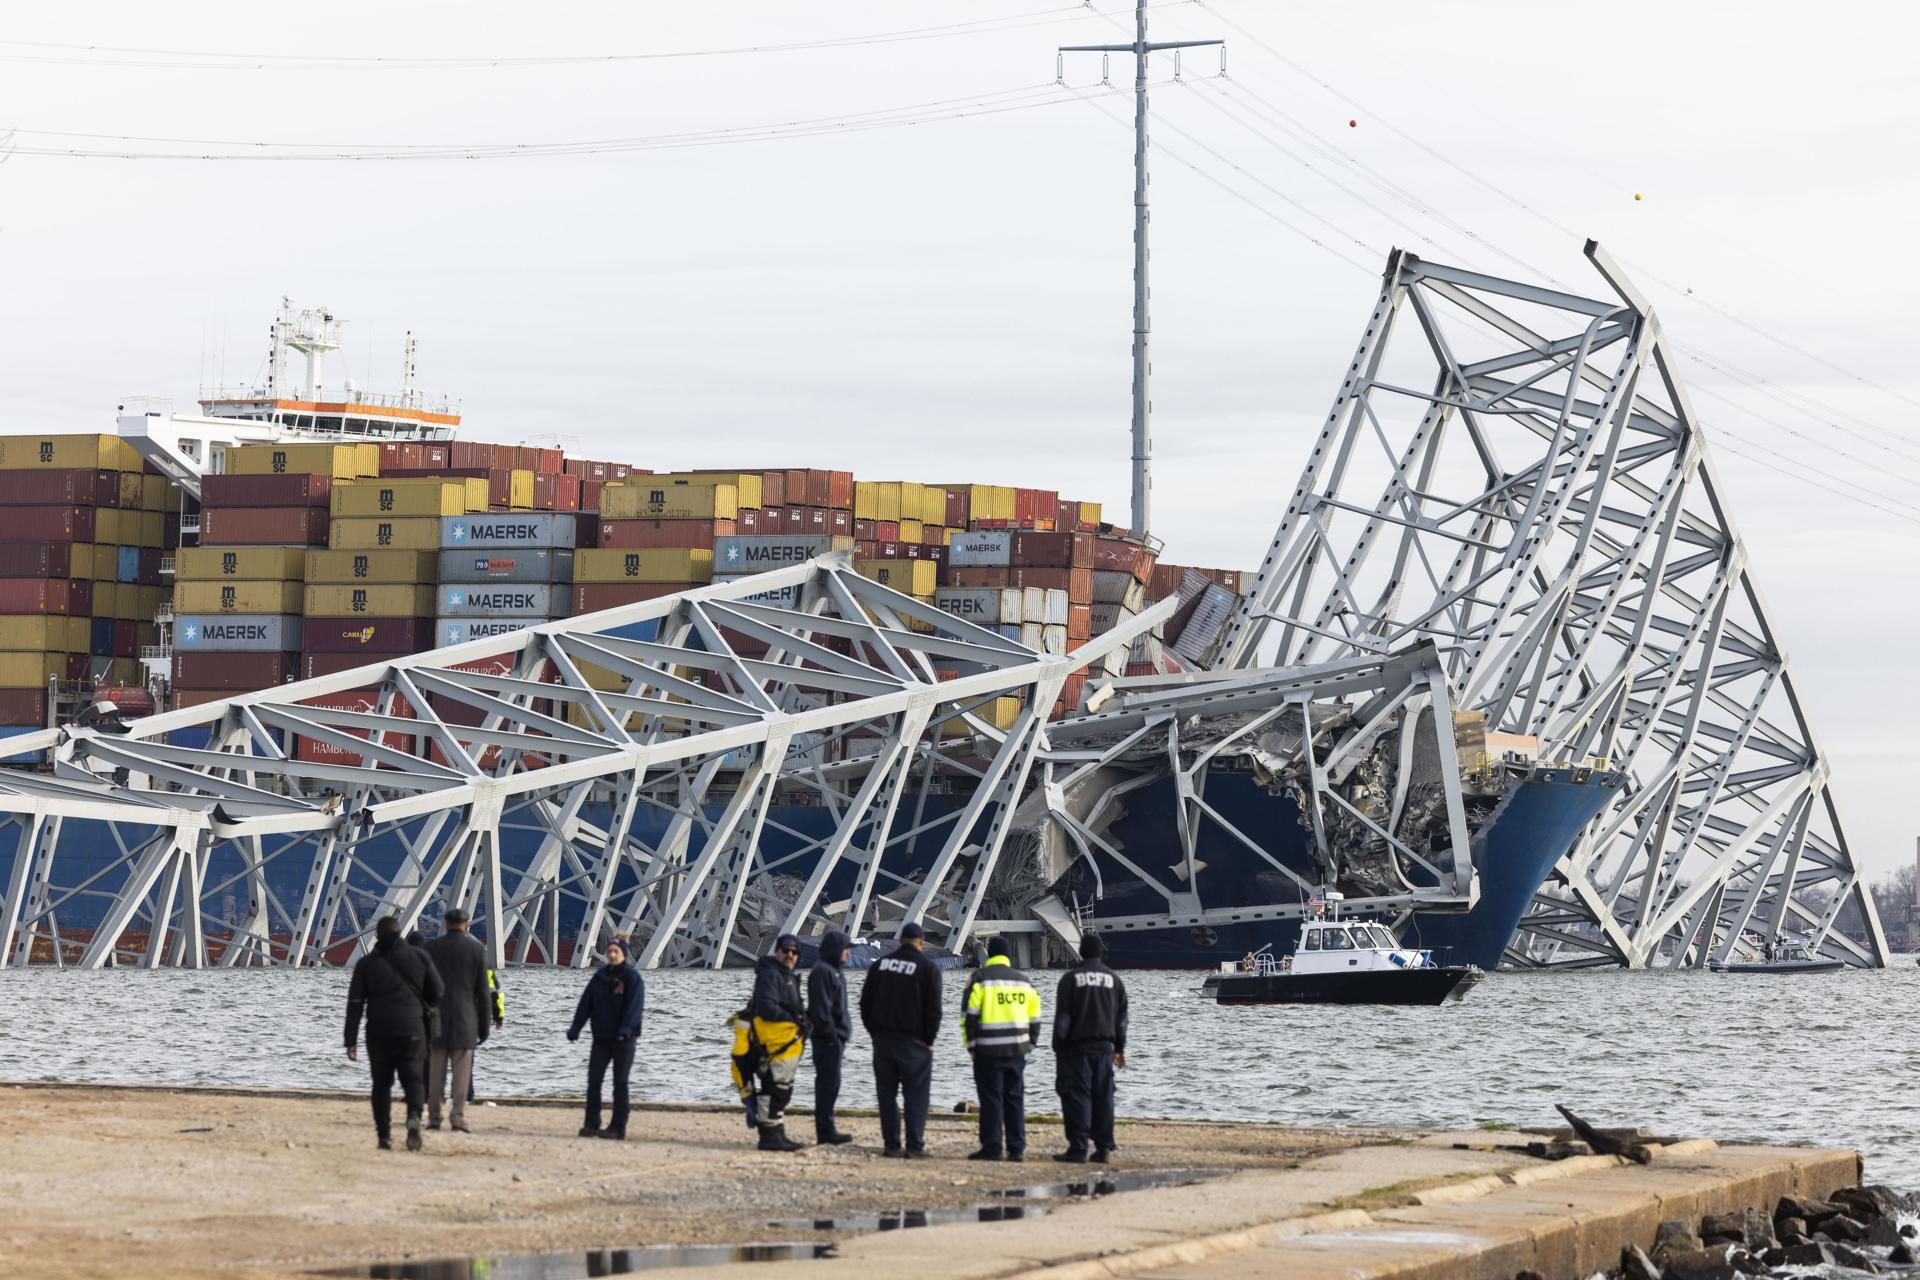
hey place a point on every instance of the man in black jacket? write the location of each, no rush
(900, 1008)
(615, 1004)
(832, 1028)
(780, 1022)
(1089, 1041)
(393, 985)
(465, 1018)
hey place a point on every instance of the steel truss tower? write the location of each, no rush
(615, 772)
(1522, 481)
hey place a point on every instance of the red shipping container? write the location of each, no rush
(400, 453)
(471, 453)
(327, 664)
(1122, 556)
(80, 488)
(233, 672)
(773, 488)
(866, 548)
(813, 519)
(1077, 583)
(1066, 515)
(1079, 621)
(840, 490)
(1046, 504)
(663, 533)
(291, 489)
(77, 664)
(435, 455)
(933, 535)
(545, 491)
(126, 638)
(23, 708)
(55, 524)
(150, 558)
(366, 635)
(585, 469)
(958, 500)
(263, 526)
(748, 520)
(886, 531)
(366, 701)
(889, 550)
(170, 531)
(566, 493)
(590, 494)
(1023, 505)
(36, 559)
(621, 470)
(1053, 550)
(548, 462)
(591, 597)
(46, 595)
(818, 484)
(795, 485)
(863, 530)
(182, 699)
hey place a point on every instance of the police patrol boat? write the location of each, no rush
(1789, 955)
(1341, 962)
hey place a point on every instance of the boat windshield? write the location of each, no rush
(1381, 938)
(1338, 940)
(1310, 941)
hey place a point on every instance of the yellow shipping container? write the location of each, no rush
(153, 527)
(866, 499)
(746, 484)
(911, 530)
(386, 498)
(48, 633)
(914, 503)
(30, 670)
(912, 577)
(149, 601)
(68, 453)
(113, 526)
(669, 502)
(341, 461)
(131, 487)
(124, 671)
(369, 601)
(126, 602)
(418, 534)
(1090, 513)
(106, 598)
(388, 568)
(652, 564)
(1001, 712)
(233, 597)
(155, 493)
(241, 564)
(95, 560)
(520, 490)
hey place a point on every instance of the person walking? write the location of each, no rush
(1089, 1041)
(465, 1019)
(615, 1003)
(832, 1029)
(900, 1008)
(499, 1019)
(1000, 1025)
(396, 989)
(780, 1025)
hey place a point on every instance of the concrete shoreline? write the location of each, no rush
(244, 1183)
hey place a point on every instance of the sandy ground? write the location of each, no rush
(97, 1180)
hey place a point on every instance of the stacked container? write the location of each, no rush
(656, 535)
(503, 572)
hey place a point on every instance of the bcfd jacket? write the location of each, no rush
(901, 996)
(1000, 1011)
(1090, 1014)
(462, 962)
(382, 988)
(827, 990)
(615, 1001)
(776, 994)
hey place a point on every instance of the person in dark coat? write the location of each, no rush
(900, 1008)
(615, 1002)
(1089, 1041)
(393, 987)
(832, 1029)
(464, 1018)
(779, 1021)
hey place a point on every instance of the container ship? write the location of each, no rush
(284, 533)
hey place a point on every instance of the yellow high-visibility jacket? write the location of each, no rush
(1000, 1011)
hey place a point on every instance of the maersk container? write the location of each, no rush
(533, 564)
(984, 606)
(744, 554)
(502, 600)
(516, 530)
(244, 633)
(452, 631)
(971, 550)
(787, 597)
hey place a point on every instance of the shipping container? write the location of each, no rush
(665, 533)
(296, 490)
(533, 564)
(586, 470)
(53, 633)
(592, 597)
(46, 595)
(738, 554)
(787, 597)
(236, 597)
(640, 500)
(659, 564)
(912, 577)
(69, 453)
(283, 564)
(541, 529)
(263, 526)
(126, 565)
(968, 550)
(126, 638)
(43, 559)
(52, 524)
(370, 601)
(419, 534)
(999, 712)
(23, 708)
(985, 606)
(347, 634)
(452, 631)
(1051, 550)
(234, 672)
(1123, 556)
(329, 664)
(389, 568)
(408, 497)
(69, 487)
(244, 633)
(367, 702)
(520, 489)
(746, 486)
(157, 494)
(339, 461)
(472, 453)
(505, 600)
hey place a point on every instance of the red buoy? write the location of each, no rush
(1353, 124)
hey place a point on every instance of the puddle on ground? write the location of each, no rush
(576, 1264)
(999, 1209)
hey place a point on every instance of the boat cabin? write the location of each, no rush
(1346, 946)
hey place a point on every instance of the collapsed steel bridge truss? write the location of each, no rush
(1521, 480)
(615, 772)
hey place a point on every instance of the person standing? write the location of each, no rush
(1089, 1041)
(615, 1003)
(464, 1019)
(832, 1029)
(499, 1018)
(394, 987)
(900, 1008)
(1000, 1025)
(780, 1024)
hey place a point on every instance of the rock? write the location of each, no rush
(1883, 1233)
(1873, 1202)
(1636, 1265)
(1807, 1209)
(1675, 1236)
(1784, 1227)
(1809, 1254)
(1528, 1275)
(1749, 1227)
(1699, 1264)
(1774, 1257)
(1844, 1228)
(1903, 1255)
(1854, 1258)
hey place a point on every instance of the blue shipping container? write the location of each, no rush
(127, 564)
(100, 638)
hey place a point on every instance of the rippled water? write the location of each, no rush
(1812, 1059)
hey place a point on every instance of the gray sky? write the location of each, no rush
(948, 300)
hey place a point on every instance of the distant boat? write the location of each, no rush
(1788, 957)
(1342, 962)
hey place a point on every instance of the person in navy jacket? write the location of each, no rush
(615, 1003)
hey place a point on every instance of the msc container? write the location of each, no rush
(541, 529)
(592, 597)
(53, 524)
(53, 633)
(237, 597)
(970, 550)
(46, 595)
(339, 461)
(296, 490)
(234, 672)
(505, 600)
(69, 453)
(384, 498)
(43, 559)
(419, 534)
(741, 554)
(659, 564)
(246, 633)
(913, 577)
(451, 631)
(665, 533)
(366, 635)
(662, 501)
(282, 564)
(535, 564)
(71, 486)
(391, 568)
(746, 486)
(372, 601)
(263, 526)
